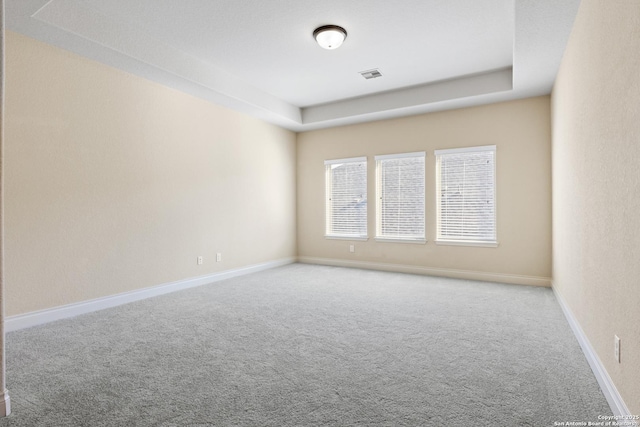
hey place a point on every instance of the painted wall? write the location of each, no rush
(596, 184)
(5, 400)
(520, 130)
(115, 183)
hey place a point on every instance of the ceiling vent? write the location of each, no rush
(371, 74)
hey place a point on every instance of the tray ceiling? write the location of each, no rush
(259, 56)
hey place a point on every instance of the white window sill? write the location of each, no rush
(355, 238)
(467, 243)
(392, 240)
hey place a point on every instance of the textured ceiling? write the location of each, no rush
(259, 56)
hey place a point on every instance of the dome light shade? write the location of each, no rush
(330, 36)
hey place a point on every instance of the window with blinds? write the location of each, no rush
(400, 197)
(466, 195)
(346, 198)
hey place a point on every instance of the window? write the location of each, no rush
(346, 193)
(400, 197)
(466, 196)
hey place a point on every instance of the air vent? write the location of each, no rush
(371, 74)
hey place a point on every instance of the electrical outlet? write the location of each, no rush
(616, 340)
(218, 257)
(352, 248)
(200, 260)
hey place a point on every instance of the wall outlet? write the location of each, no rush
(200, 260)
(218, 257)
(352, 248)
(616, 340)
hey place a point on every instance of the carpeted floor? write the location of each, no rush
(307, 345)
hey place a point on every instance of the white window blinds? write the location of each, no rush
(400, 197)
(346, 194)
(466, 194)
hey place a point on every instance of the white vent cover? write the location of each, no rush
(371, 74)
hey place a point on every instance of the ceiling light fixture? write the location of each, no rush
(330, 36)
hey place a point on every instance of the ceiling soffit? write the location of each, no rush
(314, 89)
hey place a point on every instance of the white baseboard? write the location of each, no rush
(5, 404)
(618, 407)
(429, 271)
(21, 321)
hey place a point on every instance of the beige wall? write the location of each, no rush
(5, 401)
(114, 183)
(520, 130)
(596, 184)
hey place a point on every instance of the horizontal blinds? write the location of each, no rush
(346, 192)
(400, 196)
(466, 194)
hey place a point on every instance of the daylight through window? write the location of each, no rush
(400, 197)
(346, 198)
(466, 195)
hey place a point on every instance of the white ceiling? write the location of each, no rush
(259, 57)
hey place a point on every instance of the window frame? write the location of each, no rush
(328, 217)
(399, 239)
(440, 240)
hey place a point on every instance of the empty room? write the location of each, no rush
(338, 213)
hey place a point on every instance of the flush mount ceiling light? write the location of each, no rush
(330, 36)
